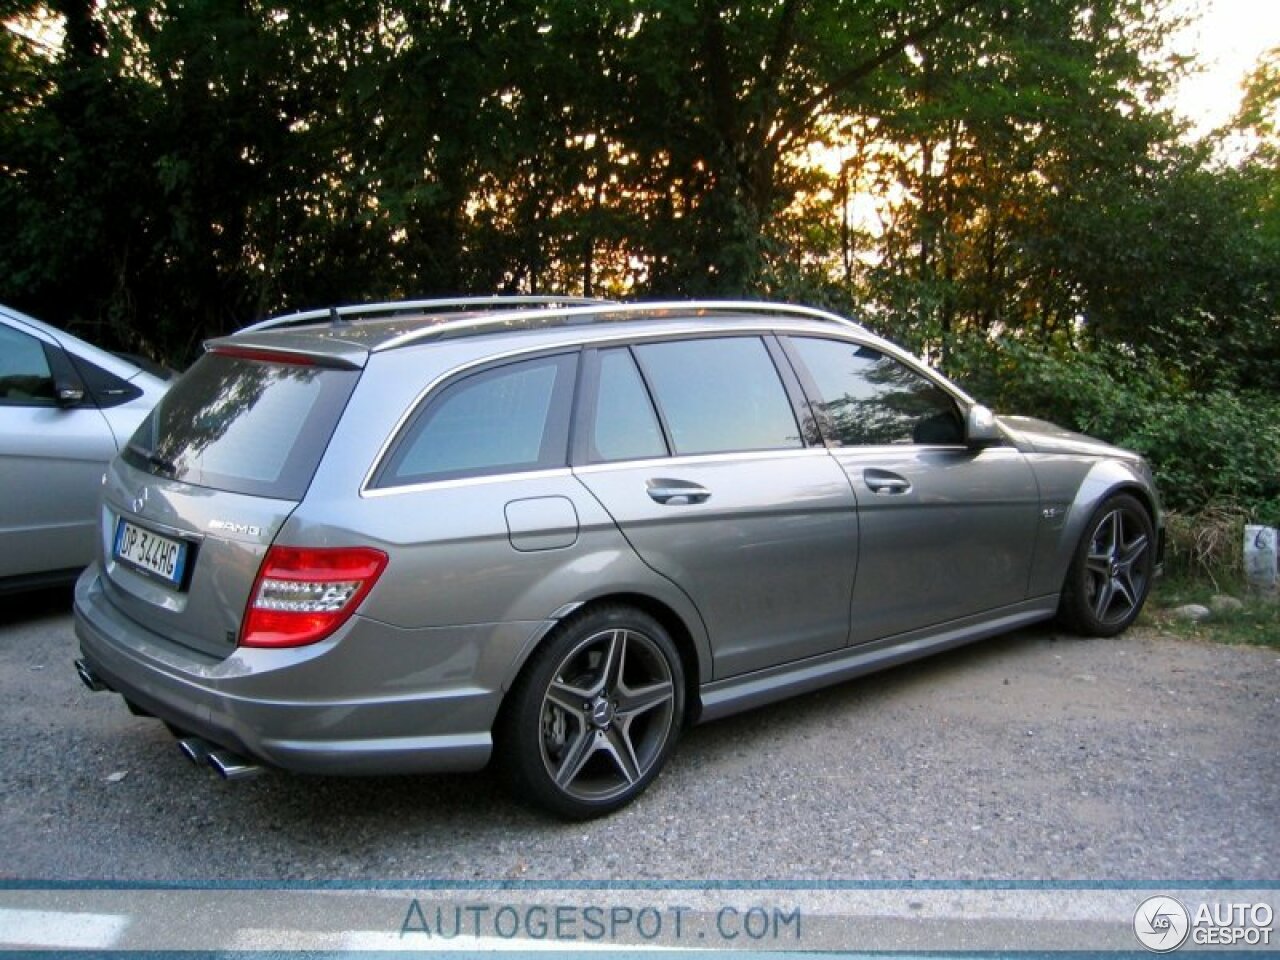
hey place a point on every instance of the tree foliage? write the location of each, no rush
(976, 178)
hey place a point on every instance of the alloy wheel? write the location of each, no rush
(607, 714)
(1117, 566)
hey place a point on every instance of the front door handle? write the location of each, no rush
(882, 481)
(675, 492)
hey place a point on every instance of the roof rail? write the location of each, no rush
(612, 311)
(390, 308)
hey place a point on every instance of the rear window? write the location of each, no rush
(244, 425)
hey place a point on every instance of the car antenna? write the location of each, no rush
(335, 318)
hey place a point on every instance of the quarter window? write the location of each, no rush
(868, 398)
(719, 395)
(508, 419)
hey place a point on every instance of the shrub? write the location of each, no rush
(1206, 448)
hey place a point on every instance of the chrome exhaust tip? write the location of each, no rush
(232, 766)
(89, 678)
(195, 749)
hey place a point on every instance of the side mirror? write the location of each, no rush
(980, 428)
(68, 389)
(69, 394)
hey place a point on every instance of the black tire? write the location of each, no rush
(1110, 574)
(594, 714)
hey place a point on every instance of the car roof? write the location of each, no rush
(349, 334)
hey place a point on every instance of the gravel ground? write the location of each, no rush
(1035, 756)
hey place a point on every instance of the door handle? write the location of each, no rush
(882, 481)
(676, 492)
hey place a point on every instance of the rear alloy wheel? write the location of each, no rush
(595, 713)
(1110, 575)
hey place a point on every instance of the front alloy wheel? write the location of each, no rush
(1110, 576)
(595, 713)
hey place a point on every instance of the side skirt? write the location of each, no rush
(736, 694)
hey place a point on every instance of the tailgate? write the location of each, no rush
(191, 506)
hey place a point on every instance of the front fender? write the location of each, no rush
(1071, 489)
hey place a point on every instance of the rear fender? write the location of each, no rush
(625, 579)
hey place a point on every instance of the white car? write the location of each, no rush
(66, 408)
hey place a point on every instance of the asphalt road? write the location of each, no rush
(1032, 756)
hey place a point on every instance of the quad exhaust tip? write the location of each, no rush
(232, 766)
(195, 749)
(89, 678)
(228, 765)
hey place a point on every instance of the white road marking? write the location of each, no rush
(56, 928)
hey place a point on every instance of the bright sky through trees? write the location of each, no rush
(1226, 38)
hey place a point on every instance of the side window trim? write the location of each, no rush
(823, 426)
(801, 407)
(558, 433)
(584, 407)
(581, 377)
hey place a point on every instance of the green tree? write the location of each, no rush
(993, 129)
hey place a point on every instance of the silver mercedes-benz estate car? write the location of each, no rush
(553, 533)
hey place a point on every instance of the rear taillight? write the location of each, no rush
(303, 594)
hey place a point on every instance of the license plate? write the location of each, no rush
(150, 552)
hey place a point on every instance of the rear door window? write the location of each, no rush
(504, 420)
(625, 425)
(245, 425)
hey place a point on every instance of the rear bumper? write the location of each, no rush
(370, 700)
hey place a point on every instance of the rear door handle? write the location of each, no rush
(882, 481)
(675, 492)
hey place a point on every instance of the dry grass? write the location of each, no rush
(1207, 544)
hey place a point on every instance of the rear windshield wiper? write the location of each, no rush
(158, 462)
